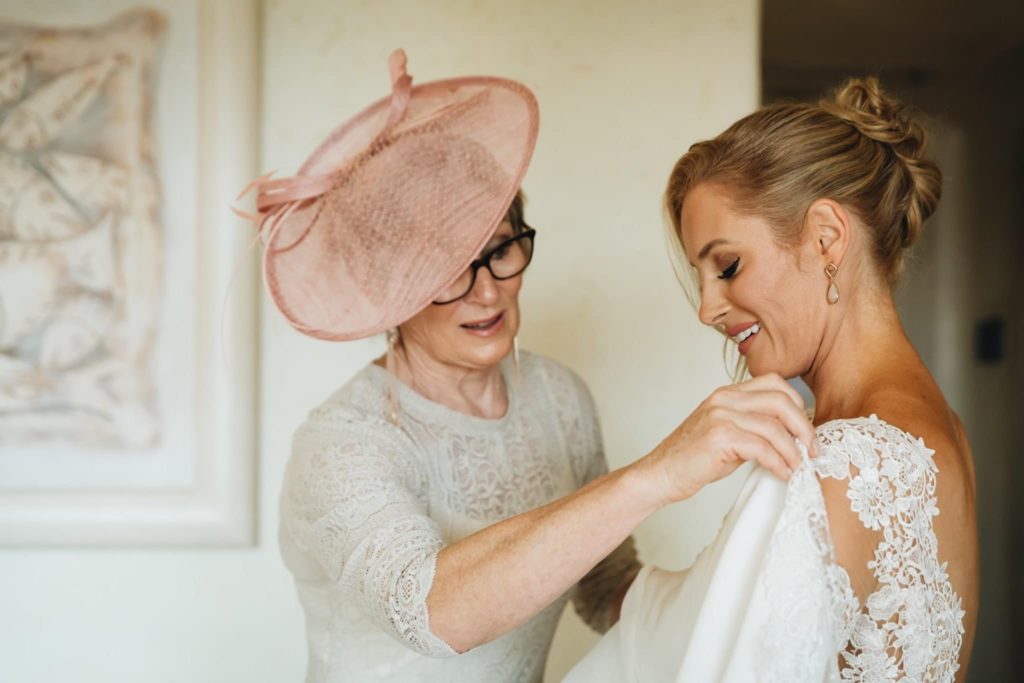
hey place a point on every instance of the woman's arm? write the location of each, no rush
(354, 519)
(501, 576)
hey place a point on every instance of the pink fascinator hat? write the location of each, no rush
(395, 204)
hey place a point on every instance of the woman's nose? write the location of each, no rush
(485, 289)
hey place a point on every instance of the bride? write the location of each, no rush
(793, 225)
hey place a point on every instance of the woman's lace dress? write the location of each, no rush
(367, 505)
(766, 600)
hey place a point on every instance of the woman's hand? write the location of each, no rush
(754, 420)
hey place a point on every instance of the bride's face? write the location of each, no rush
(752, 288)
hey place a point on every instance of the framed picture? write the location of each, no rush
(128, 290)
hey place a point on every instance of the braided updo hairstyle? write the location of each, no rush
(858, 147)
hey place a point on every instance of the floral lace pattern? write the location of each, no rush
(367, 505)
(911, 628)
(350, 506)
(805, 587)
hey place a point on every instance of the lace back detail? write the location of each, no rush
(911, 628)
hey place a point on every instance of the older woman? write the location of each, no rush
(438, 508)
(794, 221)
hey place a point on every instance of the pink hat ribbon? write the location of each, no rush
(271, 195)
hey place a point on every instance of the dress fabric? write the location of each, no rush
(367, 505)
(766, 601)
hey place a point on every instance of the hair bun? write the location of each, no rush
(862, 103)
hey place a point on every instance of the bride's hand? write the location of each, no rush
(754, 420)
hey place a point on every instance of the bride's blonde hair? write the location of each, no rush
(859, 147)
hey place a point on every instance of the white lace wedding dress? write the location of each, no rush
(766, 600)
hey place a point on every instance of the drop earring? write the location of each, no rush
(515, 360)
(389, 362)
(832, 295)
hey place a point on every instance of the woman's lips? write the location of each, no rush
(751, 334)
(486, 327)
(745, 345)
(744, 335)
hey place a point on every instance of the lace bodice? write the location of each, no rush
(767, 601)
(367, 505)
(911, 628)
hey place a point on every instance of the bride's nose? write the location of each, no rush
(713, 306)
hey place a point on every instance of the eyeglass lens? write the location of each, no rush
(504, 261)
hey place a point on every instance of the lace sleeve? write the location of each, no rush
(911, 627)
(350, 500)
(593, 596)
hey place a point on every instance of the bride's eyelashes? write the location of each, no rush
(730, 270)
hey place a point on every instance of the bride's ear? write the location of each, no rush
(829, 224)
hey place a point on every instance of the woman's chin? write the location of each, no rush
(491, 352)
(759, 366)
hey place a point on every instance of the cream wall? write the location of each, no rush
(623, 89)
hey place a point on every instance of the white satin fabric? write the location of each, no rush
(709, 623)
(766, 600)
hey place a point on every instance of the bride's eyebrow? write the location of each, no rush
(711, 245)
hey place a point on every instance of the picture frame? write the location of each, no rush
(193, 483)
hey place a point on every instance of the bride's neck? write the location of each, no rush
(863, 349)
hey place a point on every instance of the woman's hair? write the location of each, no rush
(858, 147)
(515, 216)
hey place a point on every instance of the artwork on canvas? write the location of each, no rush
(81, 244)
(124, 131)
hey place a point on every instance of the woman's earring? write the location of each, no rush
(831, 270)
(389, 362)
(515, 359)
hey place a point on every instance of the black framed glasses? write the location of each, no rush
(504, 261)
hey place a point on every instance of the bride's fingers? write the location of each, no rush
(750, 446)
(774, 432)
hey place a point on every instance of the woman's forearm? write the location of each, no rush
(501, 576)
(498, 578)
